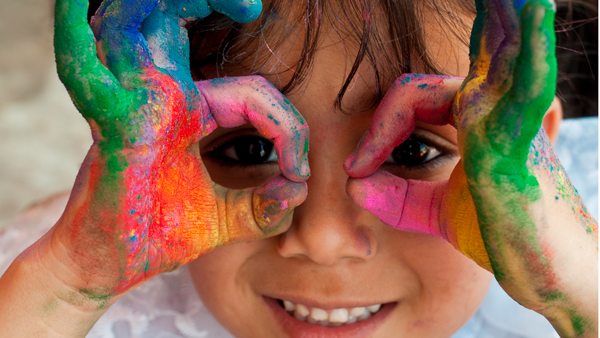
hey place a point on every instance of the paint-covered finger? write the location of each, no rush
(167, 37)
(485, 38)
(261, 212)
(517, 117)
(406, 205)
(502, 63)
(241, 11)
(413, 97)
(93, 88)
(236, 101)
(443, 209)
(117, 26)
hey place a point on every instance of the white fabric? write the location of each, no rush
(168, 307)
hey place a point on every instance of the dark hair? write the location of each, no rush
(392, 46)
(218, 40)
(577, 57)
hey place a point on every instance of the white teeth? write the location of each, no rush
(335, 317)
(374, 308)
(358, 311)
(338, 316)
(301, 312)
(289, 306)
(318, 314)
(364, 316)
(323, 322)
(299, 316)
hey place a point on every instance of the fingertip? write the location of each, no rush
(364, 160)
(242, 11)
(304, 170)
(292, 152)
(275, 201)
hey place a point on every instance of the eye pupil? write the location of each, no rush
(410, 153)
(253, 150)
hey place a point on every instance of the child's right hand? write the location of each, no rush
(143, 203)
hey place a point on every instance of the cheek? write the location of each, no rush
(451, 286)
(222, 284)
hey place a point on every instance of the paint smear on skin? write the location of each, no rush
(544, 161)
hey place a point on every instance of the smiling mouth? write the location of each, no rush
(329, 318)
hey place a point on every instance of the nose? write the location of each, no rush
(326, 228)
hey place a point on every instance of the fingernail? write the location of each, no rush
(304, 167)
(382, 194)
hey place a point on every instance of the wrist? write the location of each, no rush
(39, 297)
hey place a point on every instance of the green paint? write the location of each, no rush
(101, 299)
(50, 307)
(580, 324)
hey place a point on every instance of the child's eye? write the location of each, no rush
(413, 152)
(247, 150)
(427, 155)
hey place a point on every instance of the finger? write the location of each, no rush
(166, 35)
(241, 11)
(261, 212)
(486, 35)
(427, 98)
(503, 59)
(164, 30)
(92, 87)
(425, 208)
(236, 101)
(517, 117)
(406, 205)
(117, 26)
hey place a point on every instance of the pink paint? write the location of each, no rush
(406, 205)
(252, 99)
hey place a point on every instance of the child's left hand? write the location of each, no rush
(508, 205)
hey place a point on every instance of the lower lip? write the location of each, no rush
(296, 328)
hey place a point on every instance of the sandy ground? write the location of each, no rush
(43, 139)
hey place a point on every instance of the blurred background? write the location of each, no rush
(43, 139)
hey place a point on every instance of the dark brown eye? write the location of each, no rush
(412, 152)
(247, 150)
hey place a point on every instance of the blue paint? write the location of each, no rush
(273, 119)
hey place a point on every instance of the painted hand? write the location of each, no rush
(508, 204)
(143, 203)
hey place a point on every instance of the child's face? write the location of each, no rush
(335, 254)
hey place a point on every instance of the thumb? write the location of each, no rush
(264, 211)
(443, 209)
(406, 205)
